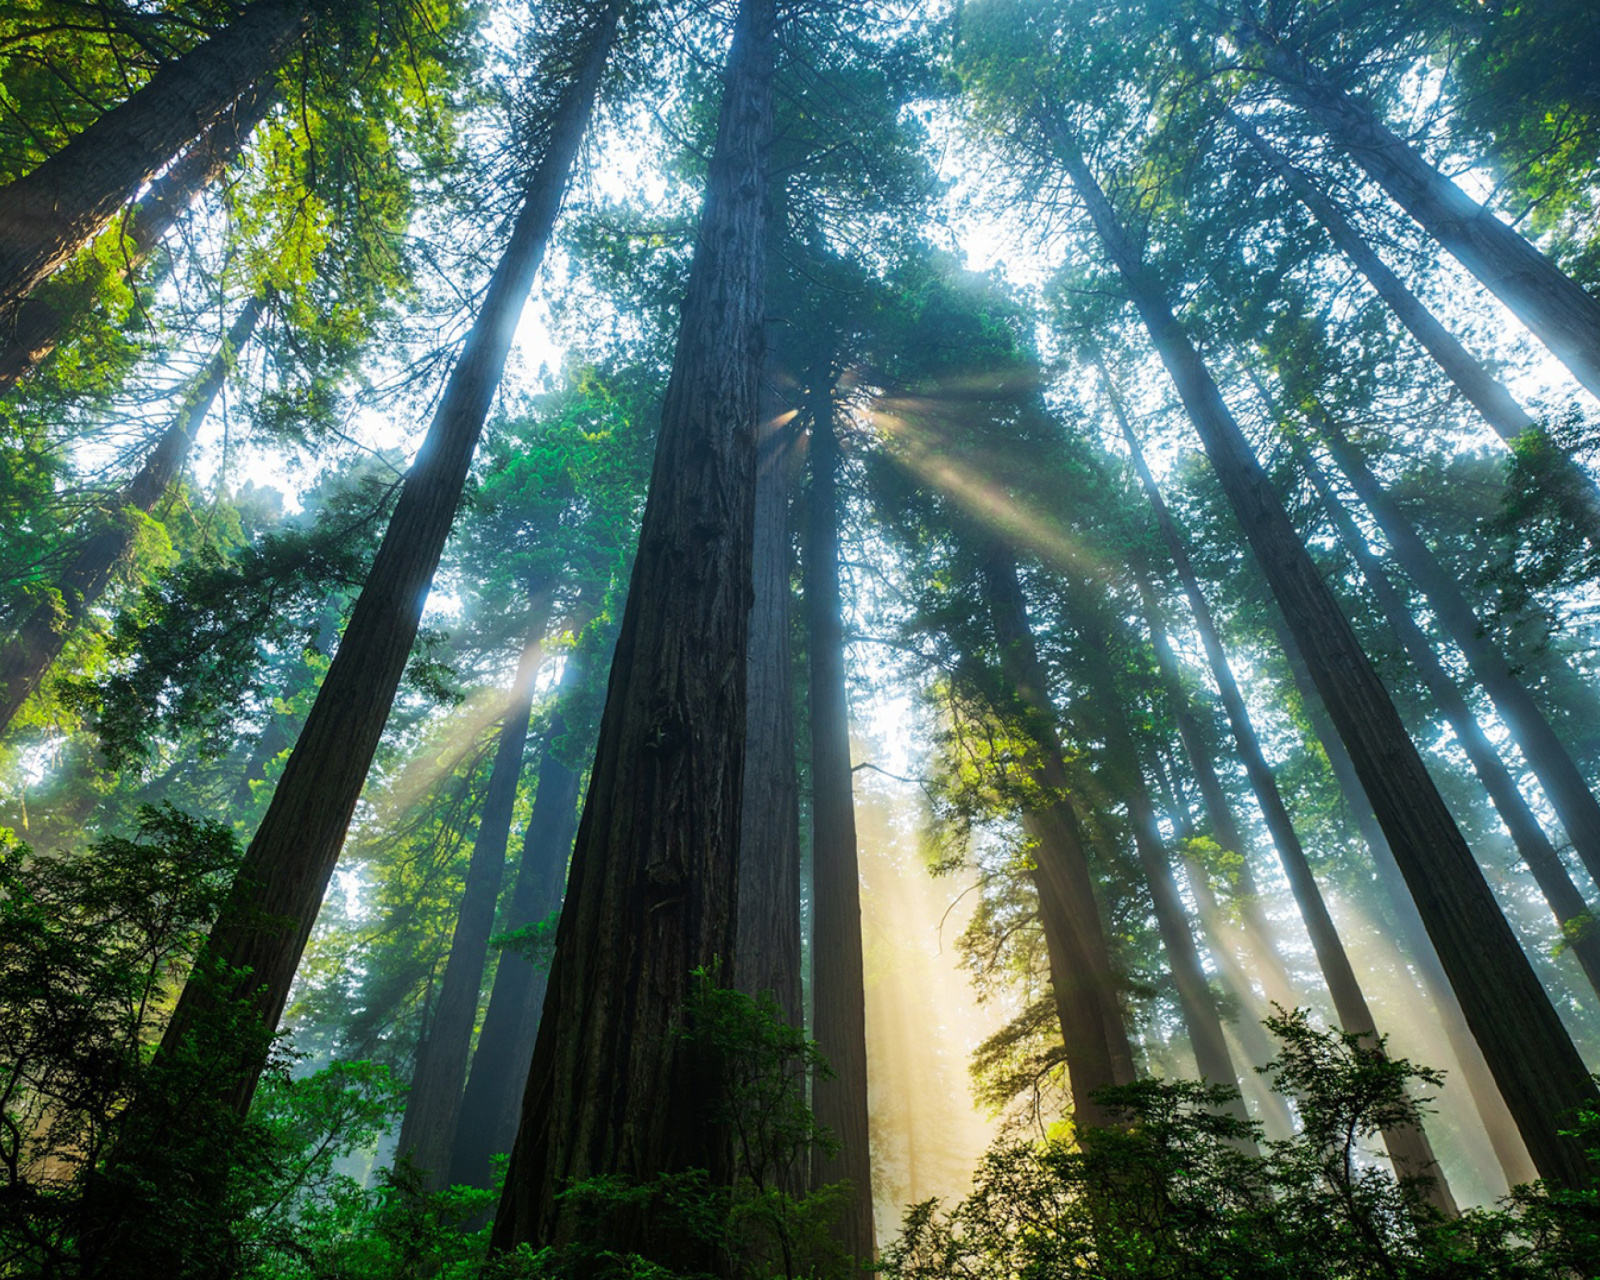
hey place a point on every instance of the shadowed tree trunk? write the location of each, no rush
(769, 837)
(838, 990)
(1082, 978)
(1563, 784)
(487, 1123)
(44, 632)
(50, 213)
(41, 324)
(615, 1087)
(268, 916)
(1555, 308)
(279, 735)
(428, 1129)
(1541, 1075)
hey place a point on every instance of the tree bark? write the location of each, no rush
(769, 837)
(1552, 764)
(1566, 902)
(487, 1123)
(1558, 311)
(1540, 1073)
(53, 211)
(1082, 977)
(838, 990)
(428, 1129)
(615, 1088)
(268, 916)
(40, 324)
(44, 632)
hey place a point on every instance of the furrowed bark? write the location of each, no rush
(53, 211)
(268, 916)
(1541, 1075)
(1554, 307)
(428, 1129)
(44, 632)
(838, 984)
(615, 1088)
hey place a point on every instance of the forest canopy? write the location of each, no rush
(753, 638)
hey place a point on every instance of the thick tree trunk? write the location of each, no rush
(487, 1123)
(43, 633)
(1566, 902)
(1540, 1073)
(1082, 977)
(52, 212)
(1510, 1151)
(428, 1129)
(1558, 774)
(838, 991)
(615, 1088)
(40, 324)
(1408, 1146)
(1554, 307)
(769, 837)
(264, 925)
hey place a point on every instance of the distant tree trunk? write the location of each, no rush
(50, 213)
(279, 735)
(1558, 775)
(267, 918)
(428, 1129)
(1566, 902)
(1554, 307)
(769, 837)
(1541, 1075)
(1082, 978)
(40, 324)
(487, 1123)
(615, 1089)
(838, 992)
(1510, 1151)
(44, 632)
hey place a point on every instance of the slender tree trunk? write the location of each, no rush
(1558, 775)
(1540, 1073)
(1553, 306)
(267, 918)
(838, 993)
(1510, 1151)
(1566, 902)
(615, 1088)
(487, 1123)
(769, 837)
(281, 730)
(53, 211)
(1082, 978)
(43, 633)
(40, 323)
(428, 1130)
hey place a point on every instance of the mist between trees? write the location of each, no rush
(774, 638)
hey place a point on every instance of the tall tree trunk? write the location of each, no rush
(282, 728)
(428, 1129)
(1555, 308)
(53, 211)
(1552, 764)
(838, 991)
(487, 1123)
(1510, 1151)
(44, 632)
(1481, 388)
(268, 916)
(769, 837)
(615, 1088)
(41, 323)
(1572, 913)
(1408, 1145)
(1540, 1073)
(1082, 978)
